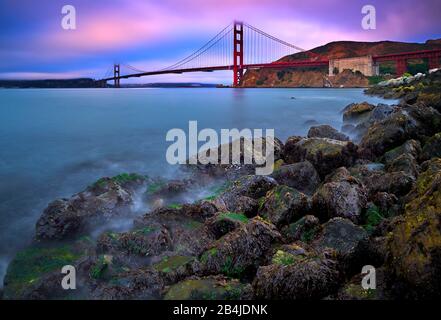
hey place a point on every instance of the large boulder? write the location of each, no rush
(138, 284)
(301, 176)
(341, 195)
(325, 154)
(398, 183)
(106, 199)
(410, 122)
(188, 234)
(208, 288)
(387, 134)
(283, 205)
(225, 222)
(253, 187)
(432, 147)
(410, 147)
(340, 234)
(326, 131)
(35, 272)
(356, 112)
(240, 252)
(147, 241)
(247, 153)
(304, 229)
(376, 179)
(415, 241)
(313, 277)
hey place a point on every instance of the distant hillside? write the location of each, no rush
(49, 83)
(317, 77)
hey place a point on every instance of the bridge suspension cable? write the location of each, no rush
(256, 48)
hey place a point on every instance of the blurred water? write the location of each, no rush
(55, 142)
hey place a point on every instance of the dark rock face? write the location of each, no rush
(341, 196)
(356, 111)
(283, 205)
(398, 183)
(325, 154)
(225, 222)
(239, 253)
(140, 284)
(326, 131)
(405, 163)
(288, 150)
(209, 288)
(301, 176)
(432, 148)
(415, 244)
(387, 134)
(311, 278)
(303, 229)
(148, 241)
(253, 187)
(65, 218)
(375, 179)
(341, 235)
(188, 234)
(410, 147)
(353, 290)
(411, 122)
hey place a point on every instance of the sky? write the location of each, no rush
(152, 34)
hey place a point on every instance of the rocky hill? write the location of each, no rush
(317, 77)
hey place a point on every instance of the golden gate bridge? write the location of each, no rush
(240, 46)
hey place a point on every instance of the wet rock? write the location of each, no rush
(432, 148)
(240, 252)
(405, 163)
(140, 284)
(387, 134)
(208, 288)
(398, 183)
(147, 241)
(326, 131)
(188, 234)
(411, 122)
(341, 196)
(169, 189)
(341, 235)
(325, 154)
(174, 268)
(283, 204)
(289, 147)
(253, 187)
(415, 241)
(65, 218)
(248, 154)
(381, 112)
(356, 111)
(201, 210)
(304, 229)
(427, 118)
(301, 176)
(353, 289)
(225, 222)
(386, 202)
(35, 272)
(410, 147)
(310, 278)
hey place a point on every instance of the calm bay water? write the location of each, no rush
(55, 142)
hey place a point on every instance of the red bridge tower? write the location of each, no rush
(238, 53)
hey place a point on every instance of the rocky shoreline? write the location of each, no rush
(332, 205)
